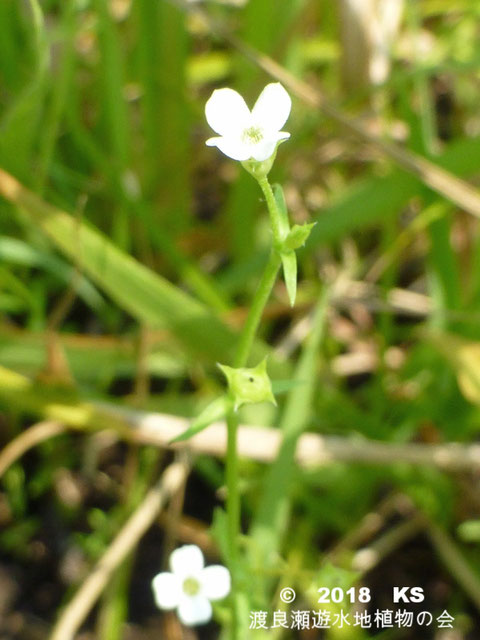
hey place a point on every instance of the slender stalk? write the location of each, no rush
(247, 337)
(258, 305)
(275, 219)
(233, 515)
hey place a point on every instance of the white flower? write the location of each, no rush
(190, 586)
(248, 134)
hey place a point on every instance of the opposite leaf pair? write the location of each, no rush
(245, 386)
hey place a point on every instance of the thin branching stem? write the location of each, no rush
(247, 338)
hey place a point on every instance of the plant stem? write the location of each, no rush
(255, 314)
(275, 218)
(233, 515)
(247, 337)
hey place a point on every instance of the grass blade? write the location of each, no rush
(147, 296)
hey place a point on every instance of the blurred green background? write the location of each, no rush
(135, 283)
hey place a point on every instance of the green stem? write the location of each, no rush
(258, 305)
(275, 217)
(247, 337)
(233, 515)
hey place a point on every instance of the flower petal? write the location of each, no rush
(272, 107)
(232, 147)
(186, 561)
(264, 149)
(167, 590)
(196, 610)
(215, 581)
(227, 112)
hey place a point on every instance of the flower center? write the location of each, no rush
(252, 134)
(191, 587)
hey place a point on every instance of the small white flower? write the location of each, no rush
(248, 134)
(190, 586)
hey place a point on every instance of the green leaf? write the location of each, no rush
(147, 296)
(216, 410)
(20, 122)
(376, 199)
(289, 261)
(464, 357)
(297, 236)
(19, 252)
(24, 351)
(469, 531)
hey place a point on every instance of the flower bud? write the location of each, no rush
(248, 386)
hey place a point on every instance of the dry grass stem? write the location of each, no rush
(257, 443)
(28, 439)
(262, 443)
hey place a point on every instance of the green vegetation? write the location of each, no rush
(130, 254)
